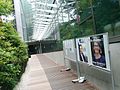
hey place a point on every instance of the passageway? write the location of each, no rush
(43, 74)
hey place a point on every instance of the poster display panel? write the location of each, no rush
(94, 50)
(100, 51)
(69, 49)
(83, 52)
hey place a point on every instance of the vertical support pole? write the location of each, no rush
(77, 62)
(112, 76)
(58, 31)
(93, 17)
(80, 79)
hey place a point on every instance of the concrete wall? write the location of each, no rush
(102, 79)
(115, 59)
(57, 57)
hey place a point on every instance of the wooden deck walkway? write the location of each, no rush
(43, 74)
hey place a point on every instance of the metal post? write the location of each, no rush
(80, 79)
(55, 29)
(112, 77)
(77, 62)
(93, 17)
(58, 31)
(40, 47)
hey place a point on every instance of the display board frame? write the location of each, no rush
(90, 46)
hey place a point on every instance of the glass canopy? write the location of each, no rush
(45, 17)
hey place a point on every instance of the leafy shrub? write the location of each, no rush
(13, 51)
(13, 56)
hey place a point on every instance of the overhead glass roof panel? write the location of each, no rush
(45, 16)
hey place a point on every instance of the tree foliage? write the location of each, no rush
(106, 12)
(67, 30)
(5, 7)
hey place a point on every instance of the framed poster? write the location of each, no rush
(94, 50)
(83, 51)
(100, 51)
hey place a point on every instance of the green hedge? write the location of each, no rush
(13, 56)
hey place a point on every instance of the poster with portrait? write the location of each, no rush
(82, 45)
(99, 51)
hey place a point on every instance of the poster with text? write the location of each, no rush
(69, 49)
